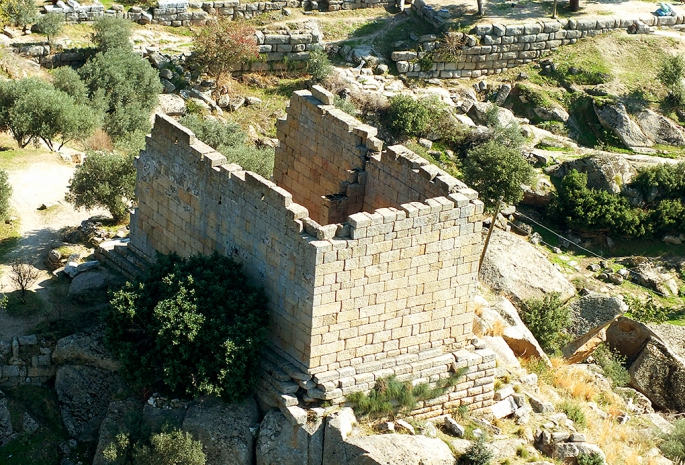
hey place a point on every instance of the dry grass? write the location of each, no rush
(576, 383)
(497, 328)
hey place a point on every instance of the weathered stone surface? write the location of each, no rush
(223, 429)
(338, 427)
(551, 114)
(172, 104)
(89, 287)
(504, 408)
(659, 129)
(660, 375)
(517, 336)
(85, 348)
(121, 416)
(84, 394)
(396, 449)
(505, 356)
(580, 348)
(594, 310)
(479, 111)
(281, 442)
(604, 171)
(155, 418)
(653, 277)
(6, 430)
(515, 268)
(614, 118)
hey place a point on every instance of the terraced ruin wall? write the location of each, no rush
(493, 48)
(381, 287)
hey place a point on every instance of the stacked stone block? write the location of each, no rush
(25, 361)
(384, 290)
(178, 14)
(75, 12)
(336, 5)
(284, 49)
(493, 48)
(237, 10)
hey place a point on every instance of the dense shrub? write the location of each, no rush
(18, 13)
(648, 311)
(319, 66)
(495, 161)
(125, 87)
(68, 81)
(414, 117)
(547, 318)
(228, 139)
(477, 454)
(223, 46)
(613, 365)
(579, 207)
(590, 459)
(104, 180)
(196, 325)
(663, 181)
(169, 447)
(112, 33)
(673, 443)
(5, 194)
(671, 73)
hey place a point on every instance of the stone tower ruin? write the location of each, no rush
(368, 256)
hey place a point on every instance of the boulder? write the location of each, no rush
(540, 194)
(89, 287)
(225, 430)
(281, 442)
(614, 117)
(659, 128)
(172, 104)
(84, 395)
(551, 114)
(479, 111)
(503, 449)
(154, 418)
(515, 268)
(582, 347)
(397, 449)
(628, 337)
(120, 418)
(660, 375)
(339, 426)
(604, 171)
(654, 277)
(517, 336)
(594, 310)
(505, 356)
(85, 348)
(7, 432)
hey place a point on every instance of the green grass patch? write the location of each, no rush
(574, 412)
(33, 306)
(9, 239)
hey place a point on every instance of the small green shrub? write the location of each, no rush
(574, 412)
(647, 311)
(112, 33)
(590, 459)
(477, 454)
(389, 396)
(408, 115)
(345, 105)
(168, 447)
(319, 66)
(547, 318)
(671, 74)
(612, 364)
(673, 443)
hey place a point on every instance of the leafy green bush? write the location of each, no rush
(104, 180)
(477, 454)
(68, 81)
(613, 365)
(673, 443)
(50, 24)
(648, 311)
(407, 115)
(5, 194)
(671, 74)
(319, 66)
(345, 105)
(195, 325)
(547, 318)
(579, 207)
(228, 139)
(574, 412)
(494, 160)
(112, 33)
(19, 13)
(125, 87)
(590, 459)
(663, 181)
(169, 447)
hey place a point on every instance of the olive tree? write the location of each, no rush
(50, 24)
(19, 13)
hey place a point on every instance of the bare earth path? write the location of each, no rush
(42, 182)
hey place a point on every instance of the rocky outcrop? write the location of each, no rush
(654, 277)
(582, 347)
(614, 117)
(604, 171)
(120, 415)
(90, 287)
(515, 268)
(84, 395)
(396, 449)
(515, 333)
(85, 348)
(282, 442)
(660, 375)
(551, 114)
(594, 310)
(172, 104)
(479, 114)
(659, 129)
(225, 430)
(7, 432)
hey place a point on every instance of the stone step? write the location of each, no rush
(118, 256)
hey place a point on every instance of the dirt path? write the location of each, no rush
(44, 182)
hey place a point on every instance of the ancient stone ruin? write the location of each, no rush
(368, 255)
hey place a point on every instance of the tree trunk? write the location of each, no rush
(554, 10)
(481, 8)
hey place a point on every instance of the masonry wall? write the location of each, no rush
(384, 290)
(25, 360)
(191, 201)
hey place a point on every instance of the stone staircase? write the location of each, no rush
(117, 255)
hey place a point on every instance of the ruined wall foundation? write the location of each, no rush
(368, 256)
